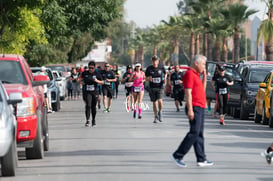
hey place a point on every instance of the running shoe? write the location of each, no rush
(108, 109)
(268, 156)
(87, 124)
(177, 110)
(205, 163)
(178, 162)
(222, 121)
(105, 110)
(156, 118)
(134, 115)
(139, 116)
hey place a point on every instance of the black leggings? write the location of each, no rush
(222, 103)
(116, 87)
(90, 106)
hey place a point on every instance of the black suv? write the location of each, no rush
(246, 83)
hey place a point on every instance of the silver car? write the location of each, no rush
(61, 82)
(8, 153)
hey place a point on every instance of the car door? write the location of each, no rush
(235, 89)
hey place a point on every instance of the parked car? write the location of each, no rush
(61, 82)
(61, 67)
(263, 101)
(53, 88)
(243, 92)
(8, 126)
(32, 125)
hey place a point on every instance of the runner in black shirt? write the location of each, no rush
(178, 90)
(107, 89)
(156, 76)
(91, 79)
(222, 81)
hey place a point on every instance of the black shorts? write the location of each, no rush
(107, 91)
(155, 94)
(128, 91)
(178, 94)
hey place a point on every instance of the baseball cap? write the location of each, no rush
(43, 68)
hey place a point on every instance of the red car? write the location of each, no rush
(32, 126)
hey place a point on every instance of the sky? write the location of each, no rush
(150, 12)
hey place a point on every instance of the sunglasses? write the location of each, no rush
(107, 66)
(91, 68)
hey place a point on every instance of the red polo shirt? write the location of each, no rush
(191, 80)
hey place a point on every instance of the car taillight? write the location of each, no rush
(26, 107)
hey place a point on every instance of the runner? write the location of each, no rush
(156, 76)
(91, 79)
(116, 84)
(99, 88)
(107, 88)
(138, 77)
(128, 86)
(178, 90)
(222, 81)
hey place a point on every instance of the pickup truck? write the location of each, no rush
(32, 124)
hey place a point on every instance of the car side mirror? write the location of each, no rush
(15, 98)
(262, 85)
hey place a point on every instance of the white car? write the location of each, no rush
(8, 129)
(61, 82)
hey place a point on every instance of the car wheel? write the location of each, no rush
(257, 117)
(9, 161)
(37, 151)
(243, 113)
(264, 118)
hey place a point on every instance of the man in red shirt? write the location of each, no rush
(195, 91)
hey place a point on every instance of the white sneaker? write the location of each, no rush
(205, 163)
(268, 156)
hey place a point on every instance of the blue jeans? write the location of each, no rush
(194, 137)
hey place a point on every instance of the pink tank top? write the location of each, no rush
(138, 82)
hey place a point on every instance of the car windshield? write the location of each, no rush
(58, 68)
(257, 76)
(11, 73)
(38, 72)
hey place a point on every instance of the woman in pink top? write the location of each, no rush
(138, 78)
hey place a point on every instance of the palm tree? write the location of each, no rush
(236, 14)
(265, 31)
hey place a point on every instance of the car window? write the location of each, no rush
(257, 76)
(210, 69)
(266, 79)
(11, 73)
(58, 68)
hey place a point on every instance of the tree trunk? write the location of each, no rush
(174, 58)
(197, 44)
(141, 54)
(269, 51)
(209, 41)
(155, 49)
(205, 45)
(192, 46)
(217, 54)
(224, 50)
(236, 45)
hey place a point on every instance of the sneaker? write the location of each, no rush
(159, 117)
(87, 124)
(108, 109)
(177, 110)
(94, 125)
(134, 115)
(49, 111)
(139, 116)
(105, 110)
(268, 156)
(178, 162)
(205, 163)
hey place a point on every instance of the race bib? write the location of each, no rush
(137, 89)
(222, 90)
(157, 80)
(176, 82)
(90, 87)
(106, 82)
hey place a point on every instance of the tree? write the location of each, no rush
(236, 14)
(265, 31)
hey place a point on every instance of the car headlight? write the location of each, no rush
(3, 120)
(26, 107)
(251, 93)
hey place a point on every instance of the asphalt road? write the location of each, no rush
(121, 148)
